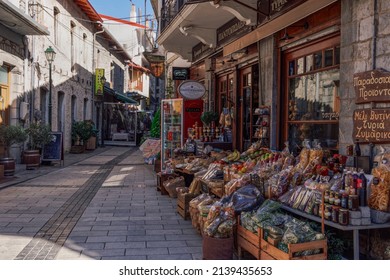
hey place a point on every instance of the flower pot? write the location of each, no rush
(9, 166)
(32, 159)
(91, 143)
(77, 149)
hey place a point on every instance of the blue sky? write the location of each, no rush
(121, 8)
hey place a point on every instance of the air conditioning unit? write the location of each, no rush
(23, 110)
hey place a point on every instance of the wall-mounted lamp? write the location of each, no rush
(287, 37)
(50, 56)
(231, 59)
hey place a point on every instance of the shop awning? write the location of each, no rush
(277, 24)
(15, 19)
(135, 95)
(119, 97)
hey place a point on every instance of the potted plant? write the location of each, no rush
(10, 135)
(39, 135)
(208, 117)
(81, 132)
(91, 142)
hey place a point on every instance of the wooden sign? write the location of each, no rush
(53, 150)
(371, 125)
(372, 86)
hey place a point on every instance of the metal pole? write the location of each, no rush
(102, 132)
(50, 105)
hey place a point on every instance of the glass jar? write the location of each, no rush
(344, 201)
(343, 217)
(331, 197)
(337, 200)
(353, 202)
(328, 213)
(316, 208)
(335, 214)
(326, 197)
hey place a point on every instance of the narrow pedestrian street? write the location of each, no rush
(105, 206)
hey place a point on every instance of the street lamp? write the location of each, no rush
(103, 81)
(50, 55)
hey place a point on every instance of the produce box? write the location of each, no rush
(262, 249)
(183, 204)
(173, 185)
(248, 241)
(161, 178)
(270, 251)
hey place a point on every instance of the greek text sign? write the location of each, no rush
(372, 86)
(371, 125)
(192, 90)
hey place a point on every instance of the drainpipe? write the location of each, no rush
(93, 71)
(375, 34)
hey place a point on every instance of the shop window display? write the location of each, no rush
(313, 99)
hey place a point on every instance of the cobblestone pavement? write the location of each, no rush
(105, 206)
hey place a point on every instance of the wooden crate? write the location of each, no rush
(161, 178)
(262, 249)
(183, 204)
(248, 241)
(269, 251)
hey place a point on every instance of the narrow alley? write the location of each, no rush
(105, 206)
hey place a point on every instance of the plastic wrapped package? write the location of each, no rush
(336, 183)
(285, 198)
(282, 183)
(245, 199)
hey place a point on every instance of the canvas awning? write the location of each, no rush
(120, 97)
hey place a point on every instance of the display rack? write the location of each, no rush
(261, 125)
(172, 128)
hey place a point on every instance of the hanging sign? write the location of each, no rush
(372, 86)
(99, 85)
(180, 73)
(371, 125)
(192, 90)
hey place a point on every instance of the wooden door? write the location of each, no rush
(244, 109)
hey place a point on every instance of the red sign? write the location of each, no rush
(192, 111)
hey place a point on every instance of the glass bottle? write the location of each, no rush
(358, 152)
(362, 189)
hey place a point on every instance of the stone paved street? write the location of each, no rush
(101, 205)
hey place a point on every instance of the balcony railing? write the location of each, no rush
(170, 10)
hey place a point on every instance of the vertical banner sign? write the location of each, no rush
(99, 74)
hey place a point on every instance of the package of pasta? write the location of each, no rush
(304, 155)
(316, 153)
(380, 197)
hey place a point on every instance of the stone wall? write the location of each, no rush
(360, 52)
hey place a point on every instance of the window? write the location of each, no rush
(4, 95)
(85, 108)
(74, 108)
(44, 105)
(56, 25)
(312, 90)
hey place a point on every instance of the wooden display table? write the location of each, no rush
(355, 229)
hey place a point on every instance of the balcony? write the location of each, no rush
(191, 22)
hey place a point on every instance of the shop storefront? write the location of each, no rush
(305, 109)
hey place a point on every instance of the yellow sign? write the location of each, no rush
(99, 81)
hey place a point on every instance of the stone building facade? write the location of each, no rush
(75, 31)
(349, 37)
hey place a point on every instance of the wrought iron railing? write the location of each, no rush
(169, 11)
